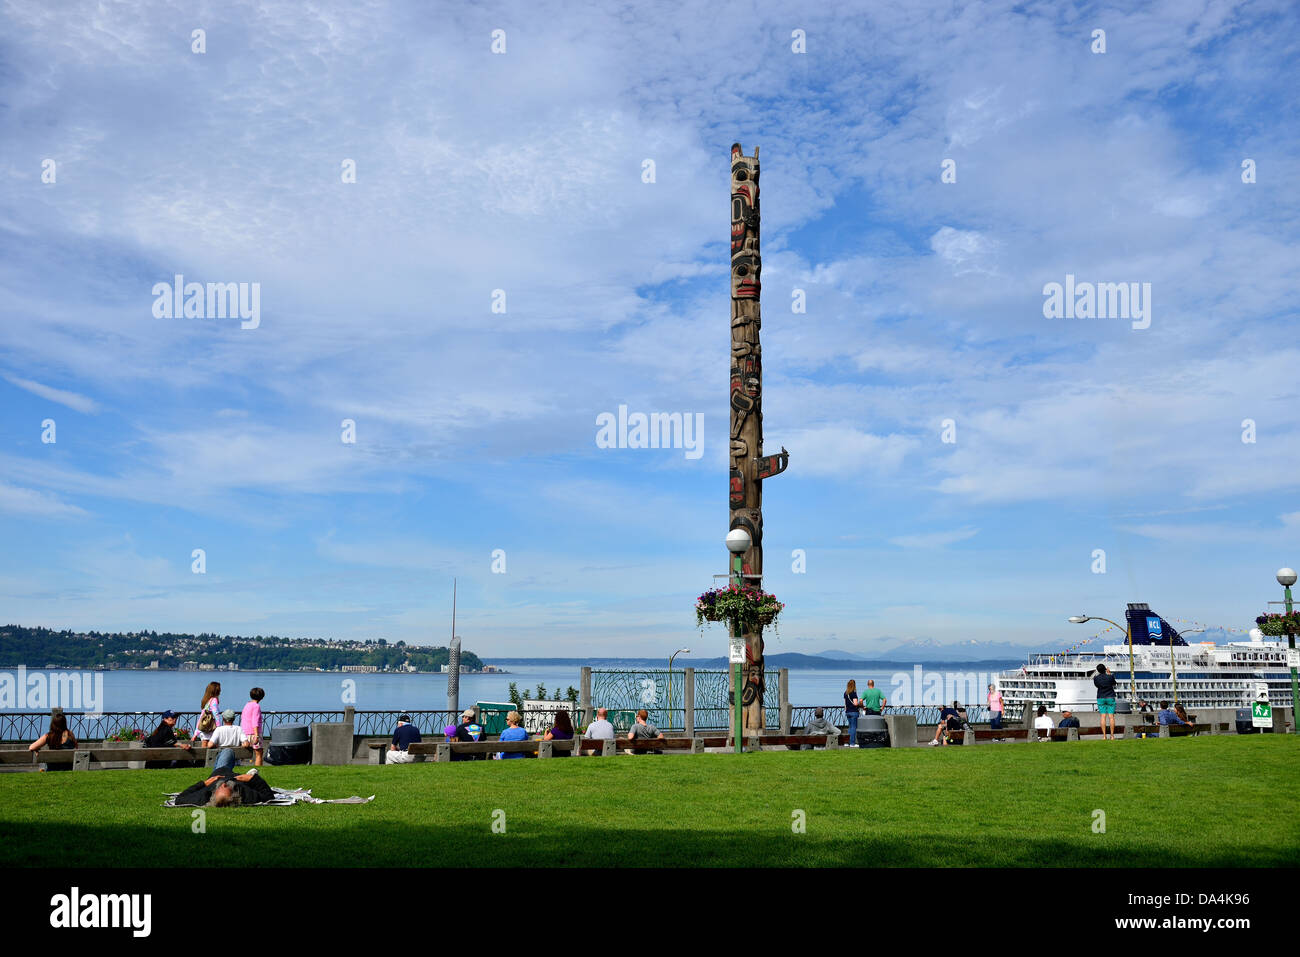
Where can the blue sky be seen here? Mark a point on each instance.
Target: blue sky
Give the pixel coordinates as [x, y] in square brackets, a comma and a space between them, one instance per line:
[522, 171]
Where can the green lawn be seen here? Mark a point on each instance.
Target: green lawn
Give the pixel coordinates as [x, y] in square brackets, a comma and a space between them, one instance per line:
[1208, 801]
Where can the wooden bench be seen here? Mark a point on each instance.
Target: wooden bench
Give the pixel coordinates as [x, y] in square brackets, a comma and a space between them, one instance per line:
[83, 756]
[440, 751]
[1164, 730]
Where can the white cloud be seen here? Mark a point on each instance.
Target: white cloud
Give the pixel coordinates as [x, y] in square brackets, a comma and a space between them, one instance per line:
[31, 503]
[934, 539]
[72, 400]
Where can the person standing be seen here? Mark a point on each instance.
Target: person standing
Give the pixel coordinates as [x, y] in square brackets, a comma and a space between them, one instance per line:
[851, 705]
[1104, 682]
[995, 708]
[209, 713]
[873, 699]
[250, 723]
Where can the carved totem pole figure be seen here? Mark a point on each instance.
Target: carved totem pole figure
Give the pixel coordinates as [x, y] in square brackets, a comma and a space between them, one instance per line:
[748, 465]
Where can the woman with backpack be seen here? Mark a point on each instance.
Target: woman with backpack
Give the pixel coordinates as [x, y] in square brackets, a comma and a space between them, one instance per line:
[209, 713]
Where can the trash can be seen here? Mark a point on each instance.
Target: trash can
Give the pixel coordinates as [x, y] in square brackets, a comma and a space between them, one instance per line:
[1246, 722]
[873, 732]
[291, 744]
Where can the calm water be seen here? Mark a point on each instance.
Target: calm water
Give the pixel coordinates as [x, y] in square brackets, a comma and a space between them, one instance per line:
[302, 691]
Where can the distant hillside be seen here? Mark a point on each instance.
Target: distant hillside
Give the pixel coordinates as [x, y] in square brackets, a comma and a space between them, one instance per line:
[782, 660]
[45, 648]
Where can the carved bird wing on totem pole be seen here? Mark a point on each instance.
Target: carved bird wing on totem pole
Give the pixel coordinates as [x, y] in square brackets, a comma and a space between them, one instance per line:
[773, 464]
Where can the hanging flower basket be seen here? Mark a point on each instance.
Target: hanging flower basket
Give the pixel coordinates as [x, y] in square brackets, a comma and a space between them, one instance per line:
[747, 606]
[1277, 626]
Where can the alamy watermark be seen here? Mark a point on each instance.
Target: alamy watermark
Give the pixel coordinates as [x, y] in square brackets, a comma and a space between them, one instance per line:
[658, 430]
[39, 691]
[214, 300]
[1101, 300]
[921, 687]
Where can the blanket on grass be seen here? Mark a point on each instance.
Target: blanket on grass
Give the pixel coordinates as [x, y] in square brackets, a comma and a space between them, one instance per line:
[283, 798]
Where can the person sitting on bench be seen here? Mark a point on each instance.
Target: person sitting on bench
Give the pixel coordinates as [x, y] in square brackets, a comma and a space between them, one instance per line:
[1169, 717]
[227, 789]
[644, 730]
[227, 737]
[164, 736]
[819, 725]
[600, 729]
[1043, 724]
[949, 719]
[1068, 720]
[58, 738]
[406, 735]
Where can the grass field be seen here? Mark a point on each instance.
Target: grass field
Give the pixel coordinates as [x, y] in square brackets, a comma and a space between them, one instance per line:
[1207, 801]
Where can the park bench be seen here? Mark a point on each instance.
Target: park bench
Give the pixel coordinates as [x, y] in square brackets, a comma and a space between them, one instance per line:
[84, 755]
[439, 751]
[1164, 730]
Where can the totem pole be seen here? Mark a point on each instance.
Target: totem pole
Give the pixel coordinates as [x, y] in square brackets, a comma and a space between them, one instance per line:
[748, 465]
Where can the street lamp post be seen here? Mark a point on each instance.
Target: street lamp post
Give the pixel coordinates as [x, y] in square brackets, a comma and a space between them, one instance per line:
[738, 542]
[1132, 679]
[1173, 670]
[679, 651]
[1286, 578]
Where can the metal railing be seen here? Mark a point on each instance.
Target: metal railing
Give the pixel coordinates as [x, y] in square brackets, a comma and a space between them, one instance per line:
[27, 726]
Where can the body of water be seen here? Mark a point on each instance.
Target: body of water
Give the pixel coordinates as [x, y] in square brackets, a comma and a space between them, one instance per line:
[321, 691]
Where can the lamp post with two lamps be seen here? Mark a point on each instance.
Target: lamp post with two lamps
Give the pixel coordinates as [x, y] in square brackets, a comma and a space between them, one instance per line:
[738, 542]
[1286, 578]
[1128, 635]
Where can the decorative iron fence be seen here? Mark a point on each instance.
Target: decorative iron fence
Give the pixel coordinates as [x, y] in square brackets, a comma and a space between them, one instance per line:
[663, 694]
[27, 726]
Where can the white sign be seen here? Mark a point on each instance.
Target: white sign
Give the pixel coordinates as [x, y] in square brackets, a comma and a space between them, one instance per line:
[539, 716]
[737, 651]
[1261, 690]
[1261, 715]
[1293, 657]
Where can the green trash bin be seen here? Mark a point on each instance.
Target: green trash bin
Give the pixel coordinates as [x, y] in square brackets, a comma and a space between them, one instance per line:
[492, 715]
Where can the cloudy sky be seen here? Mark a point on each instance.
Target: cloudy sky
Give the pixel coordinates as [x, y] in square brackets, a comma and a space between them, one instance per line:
[525, 171]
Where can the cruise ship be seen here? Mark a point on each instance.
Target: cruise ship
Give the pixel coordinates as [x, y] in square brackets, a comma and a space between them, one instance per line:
[1209, 675]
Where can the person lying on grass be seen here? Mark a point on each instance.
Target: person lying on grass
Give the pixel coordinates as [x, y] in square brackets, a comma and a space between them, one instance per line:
[227, 789]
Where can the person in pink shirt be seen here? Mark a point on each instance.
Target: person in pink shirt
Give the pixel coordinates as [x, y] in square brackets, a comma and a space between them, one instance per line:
[250, 723]
[995, 708]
